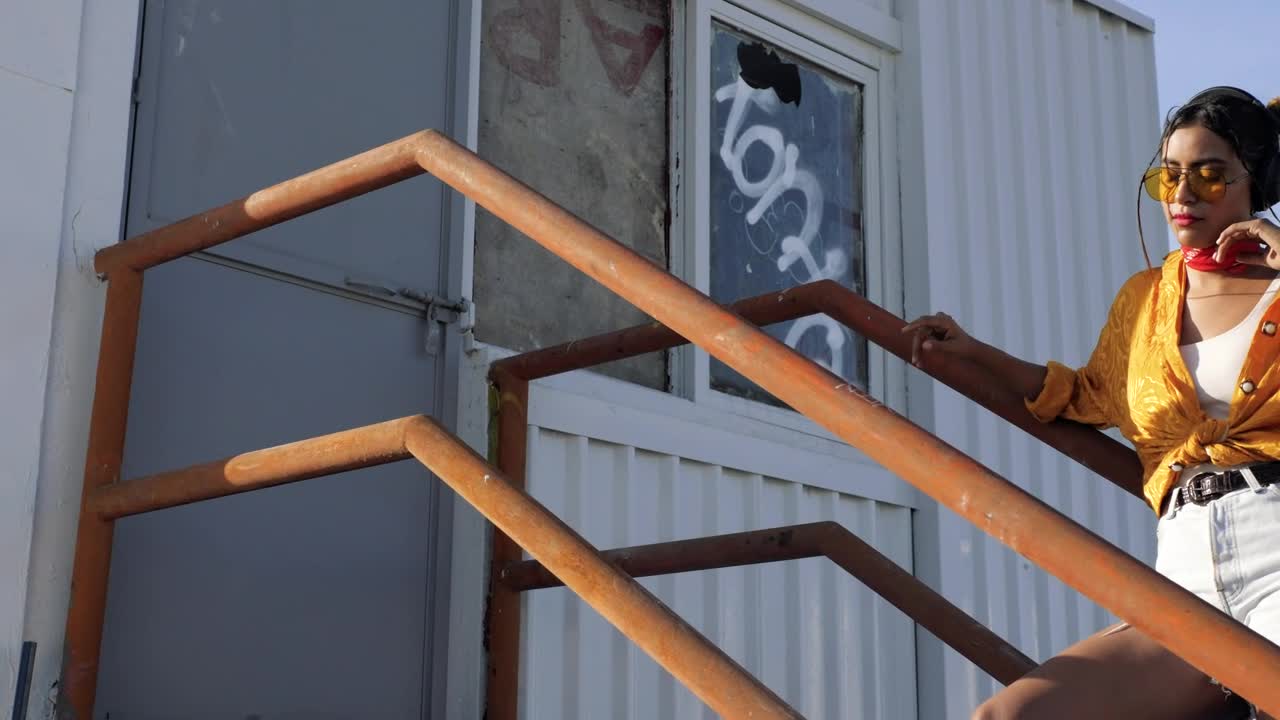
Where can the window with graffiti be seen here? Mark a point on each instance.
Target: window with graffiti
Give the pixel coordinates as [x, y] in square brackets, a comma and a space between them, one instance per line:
[786, 195]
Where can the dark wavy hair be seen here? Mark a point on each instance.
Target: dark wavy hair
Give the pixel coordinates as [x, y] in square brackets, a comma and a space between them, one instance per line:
[1251, 128]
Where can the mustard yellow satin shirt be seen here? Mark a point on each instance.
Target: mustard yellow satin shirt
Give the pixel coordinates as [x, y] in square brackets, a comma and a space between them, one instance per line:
[1136, 381]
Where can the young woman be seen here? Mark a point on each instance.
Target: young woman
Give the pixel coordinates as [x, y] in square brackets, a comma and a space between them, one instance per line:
[1188, 367]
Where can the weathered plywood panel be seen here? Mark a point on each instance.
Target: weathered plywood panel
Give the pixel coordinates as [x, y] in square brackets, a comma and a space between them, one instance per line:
[573, 101]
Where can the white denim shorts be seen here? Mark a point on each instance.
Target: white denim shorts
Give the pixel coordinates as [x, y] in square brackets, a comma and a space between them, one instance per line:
[1228, 553]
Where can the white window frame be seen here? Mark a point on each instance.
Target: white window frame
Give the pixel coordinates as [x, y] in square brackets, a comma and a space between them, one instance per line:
[839, 48]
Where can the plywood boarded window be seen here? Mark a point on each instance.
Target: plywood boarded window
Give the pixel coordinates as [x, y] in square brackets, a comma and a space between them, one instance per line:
[573, 102]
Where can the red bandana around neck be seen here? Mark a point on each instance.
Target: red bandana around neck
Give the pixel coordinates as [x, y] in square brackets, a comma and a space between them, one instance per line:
[1202, 259]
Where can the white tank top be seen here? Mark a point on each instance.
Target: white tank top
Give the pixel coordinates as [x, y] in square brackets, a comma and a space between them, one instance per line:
[1215, 366]
[1215, 363]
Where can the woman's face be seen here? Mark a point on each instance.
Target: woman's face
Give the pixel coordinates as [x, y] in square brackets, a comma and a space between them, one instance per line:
[1197, 222]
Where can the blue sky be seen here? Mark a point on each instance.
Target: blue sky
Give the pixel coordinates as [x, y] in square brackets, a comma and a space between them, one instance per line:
[1200, 43]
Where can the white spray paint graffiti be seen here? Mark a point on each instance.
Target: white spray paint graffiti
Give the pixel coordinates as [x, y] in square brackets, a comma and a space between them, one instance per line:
[784, 174]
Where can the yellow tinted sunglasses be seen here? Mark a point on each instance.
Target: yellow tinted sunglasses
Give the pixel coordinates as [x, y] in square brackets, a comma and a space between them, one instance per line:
[1208, 183]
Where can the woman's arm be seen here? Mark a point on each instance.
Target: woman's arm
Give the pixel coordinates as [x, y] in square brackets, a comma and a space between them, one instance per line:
[1025, 378]
[938, 338]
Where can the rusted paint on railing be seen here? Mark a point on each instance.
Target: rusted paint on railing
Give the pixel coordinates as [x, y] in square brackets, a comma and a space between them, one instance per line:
[343, 180]
[122, 264]
[1155, 605]
[698, 664]
[828, 539]
[651, 337]
[502, 606]
[715, 552]
[316, 457]
[1096, 451]
[707, 671]
[92, 564]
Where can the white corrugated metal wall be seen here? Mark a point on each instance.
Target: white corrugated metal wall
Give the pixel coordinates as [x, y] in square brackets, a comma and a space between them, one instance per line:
[811, 633]
[1037, 120]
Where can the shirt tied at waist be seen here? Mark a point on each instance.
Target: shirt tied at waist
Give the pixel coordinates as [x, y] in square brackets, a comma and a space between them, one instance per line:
[1210, 431]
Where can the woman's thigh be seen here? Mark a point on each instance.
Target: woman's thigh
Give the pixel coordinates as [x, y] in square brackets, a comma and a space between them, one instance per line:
[1118, 673]
[1252, 577]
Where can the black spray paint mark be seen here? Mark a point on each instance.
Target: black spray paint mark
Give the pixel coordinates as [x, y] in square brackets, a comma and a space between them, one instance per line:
[762, 68]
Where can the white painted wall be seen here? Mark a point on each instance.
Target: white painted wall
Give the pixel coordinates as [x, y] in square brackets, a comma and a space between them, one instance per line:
[36, 125]
[39, 43]
[1025, 128]
[97, 42]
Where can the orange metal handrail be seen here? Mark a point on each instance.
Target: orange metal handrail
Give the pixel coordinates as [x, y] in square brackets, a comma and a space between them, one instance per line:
[1165, 612]
[87, 603]
[701, 666]
[827, 539]
[123, 265]
[511, 377]
[1207, 639]
[1097, 451]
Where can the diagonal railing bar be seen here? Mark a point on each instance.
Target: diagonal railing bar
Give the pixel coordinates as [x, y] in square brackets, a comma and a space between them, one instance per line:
[697, 663]
[883, 576]
[1097, 451]
[1165, 612]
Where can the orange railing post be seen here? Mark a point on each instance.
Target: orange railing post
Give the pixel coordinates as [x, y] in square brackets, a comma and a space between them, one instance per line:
[88, 602]
[502, 609]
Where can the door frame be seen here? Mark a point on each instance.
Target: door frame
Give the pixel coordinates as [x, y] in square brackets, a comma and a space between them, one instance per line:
[442, 677]
[457, 664]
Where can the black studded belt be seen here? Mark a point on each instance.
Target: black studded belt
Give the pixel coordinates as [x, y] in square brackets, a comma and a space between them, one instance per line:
[1206, 487]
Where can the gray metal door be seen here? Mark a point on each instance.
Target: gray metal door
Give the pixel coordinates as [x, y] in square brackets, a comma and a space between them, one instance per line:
[312, 600]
